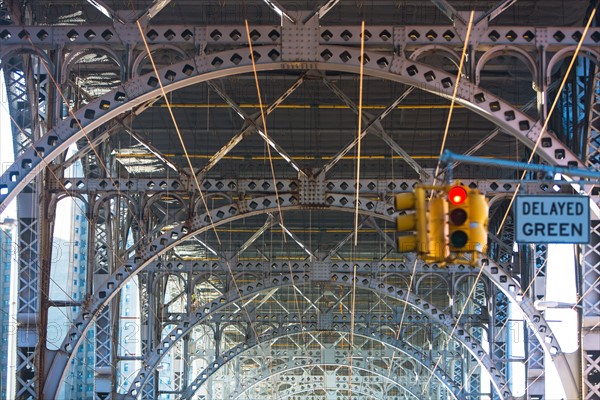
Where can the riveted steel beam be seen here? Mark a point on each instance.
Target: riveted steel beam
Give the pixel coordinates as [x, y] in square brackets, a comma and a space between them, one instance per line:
[206, 67]
[431, 312]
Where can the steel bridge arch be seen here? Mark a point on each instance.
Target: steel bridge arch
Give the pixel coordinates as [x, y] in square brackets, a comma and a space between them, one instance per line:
[228, 213]
[587, 52]
[184, 74]
[447, 323]
[513, 51]
[366, 332]
[377, 371]
[352, 388]
[226, 63]
[356, 365]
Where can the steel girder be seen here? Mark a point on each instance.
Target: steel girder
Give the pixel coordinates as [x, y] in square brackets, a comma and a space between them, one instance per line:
[240, 210]
[183, 185]
[24, 88]
[295, 326]
[590, 334]
[327, 358]
[206, 67]
[189, 321]
[25, 166]
[408, 37]
[313, 387]
[305, 278]
[374, 386]
[254, 348]
[494, 271]
[306, 387]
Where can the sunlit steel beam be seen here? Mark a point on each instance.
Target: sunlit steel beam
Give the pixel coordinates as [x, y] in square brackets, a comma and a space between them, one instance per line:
[448, 10]
[390, 241]
[496, 10]
[206, 246]
[275, 6]
[487, 138]
[298, 241]
[342, 242]
[153, 150]
[101, 6]
[154, 8]
[267, 225]
[375, 125]
[322, 10]
[251, 125]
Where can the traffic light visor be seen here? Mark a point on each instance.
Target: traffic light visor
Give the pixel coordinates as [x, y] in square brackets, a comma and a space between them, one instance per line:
[457, 195]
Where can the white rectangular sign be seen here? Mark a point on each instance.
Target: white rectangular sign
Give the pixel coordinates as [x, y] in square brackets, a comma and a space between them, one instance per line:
[552, 219]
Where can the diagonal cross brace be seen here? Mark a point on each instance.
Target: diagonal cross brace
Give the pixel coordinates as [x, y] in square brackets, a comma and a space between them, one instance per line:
[375, 125]
[250, 126]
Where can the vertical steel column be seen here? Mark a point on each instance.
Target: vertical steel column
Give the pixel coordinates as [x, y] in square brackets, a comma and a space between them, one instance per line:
[535, 256]
[22, 88]
[590, 274]
[150, 325]
[590, 329]
[105, 253]
[592, 152]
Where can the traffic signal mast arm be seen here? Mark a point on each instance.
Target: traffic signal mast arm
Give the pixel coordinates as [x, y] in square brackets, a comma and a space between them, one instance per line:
[413, 224]
[450, 157]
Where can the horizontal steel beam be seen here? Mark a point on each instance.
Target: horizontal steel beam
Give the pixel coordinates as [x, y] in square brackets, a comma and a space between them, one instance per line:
[183, 184]
[49, 37]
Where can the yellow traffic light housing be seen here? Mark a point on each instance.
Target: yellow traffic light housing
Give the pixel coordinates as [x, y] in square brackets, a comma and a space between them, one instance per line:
[458, 214]
[413, 226]
[437, 250]
[451, 227]
[467, 223]
[478, 222]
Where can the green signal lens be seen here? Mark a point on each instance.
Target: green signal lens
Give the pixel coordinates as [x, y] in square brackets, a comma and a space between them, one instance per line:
[458, 239]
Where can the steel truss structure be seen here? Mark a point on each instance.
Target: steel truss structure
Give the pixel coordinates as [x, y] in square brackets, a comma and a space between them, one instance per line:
[252, 280]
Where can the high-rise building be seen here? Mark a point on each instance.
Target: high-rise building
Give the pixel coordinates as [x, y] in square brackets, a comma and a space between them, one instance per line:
[68, 283]
[7, 325]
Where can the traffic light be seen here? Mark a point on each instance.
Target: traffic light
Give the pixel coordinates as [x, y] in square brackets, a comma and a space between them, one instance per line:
[478, 221]
[437, 250]
[412, 226]
[467, 223]
[458, 214]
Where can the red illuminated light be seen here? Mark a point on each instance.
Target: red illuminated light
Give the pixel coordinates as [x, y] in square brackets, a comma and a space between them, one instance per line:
[457, 195]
